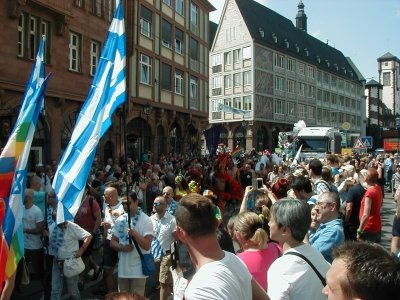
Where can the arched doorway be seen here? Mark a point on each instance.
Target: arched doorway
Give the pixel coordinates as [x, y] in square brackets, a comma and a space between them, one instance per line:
[240, 138]
[175, 138]
[108, 150]
[223, 136]
[262, 140]
[39, 147]
[138, 138]
[161, 141]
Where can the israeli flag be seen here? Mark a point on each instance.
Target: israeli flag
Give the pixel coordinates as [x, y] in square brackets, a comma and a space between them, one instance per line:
[106, 94]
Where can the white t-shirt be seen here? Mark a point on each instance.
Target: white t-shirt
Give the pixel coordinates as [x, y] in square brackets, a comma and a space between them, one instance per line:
[227, 279]
[111, 214]
[291, 277]
[130, 265]
[32, 216]
[163, 229]
[72, 234]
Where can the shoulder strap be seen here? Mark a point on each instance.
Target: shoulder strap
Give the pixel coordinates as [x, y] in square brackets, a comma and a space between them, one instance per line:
[323, 281]
[137, 248]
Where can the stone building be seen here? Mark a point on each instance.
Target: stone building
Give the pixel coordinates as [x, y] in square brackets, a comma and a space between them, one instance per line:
[276, 74]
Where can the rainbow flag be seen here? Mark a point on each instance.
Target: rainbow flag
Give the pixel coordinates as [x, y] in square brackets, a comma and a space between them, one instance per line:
[13, 163]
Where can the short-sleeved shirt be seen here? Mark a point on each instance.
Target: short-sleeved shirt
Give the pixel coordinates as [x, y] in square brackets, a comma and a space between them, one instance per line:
[73, 233]
[31, 217]
[85, 217]
[163, 229]
[354, 195]
[374, 223]
[111, 214]
[130, 265]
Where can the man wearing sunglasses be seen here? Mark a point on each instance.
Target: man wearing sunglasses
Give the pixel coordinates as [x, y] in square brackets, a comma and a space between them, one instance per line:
[168, 193]
[164, 229]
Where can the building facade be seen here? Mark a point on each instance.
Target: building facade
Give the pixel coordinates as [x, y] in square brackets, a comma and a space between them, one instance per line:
[277, 74]
[167, 72]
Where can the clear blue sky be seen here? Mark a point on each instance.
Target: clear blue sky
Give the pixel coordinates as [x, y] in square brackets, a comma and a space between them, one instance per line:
[361, 29]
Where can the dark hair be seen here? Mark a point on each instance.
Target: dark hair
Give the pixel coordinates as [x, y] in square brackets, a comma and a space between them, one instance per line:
[316, 166]
[302, 183]
[195, 215]
[372, 272]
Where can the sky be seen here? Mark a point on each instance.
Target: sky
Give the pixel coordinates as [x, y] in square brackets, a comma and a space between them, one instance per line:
[363, 30]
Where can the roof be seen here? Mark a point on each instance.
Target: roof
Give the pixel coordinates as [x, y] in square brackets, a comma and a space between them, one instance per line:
[372, 82]
[388, 57]
[213, 31]
[264, 24]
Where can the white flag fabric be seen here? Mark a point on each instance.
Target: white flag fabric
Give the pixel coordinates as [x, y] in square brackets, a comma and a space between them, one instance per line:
[107, 92]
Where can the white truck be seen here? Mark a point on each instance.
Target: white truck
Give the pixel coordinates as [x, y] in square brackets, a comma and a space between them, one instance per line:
[317, 141]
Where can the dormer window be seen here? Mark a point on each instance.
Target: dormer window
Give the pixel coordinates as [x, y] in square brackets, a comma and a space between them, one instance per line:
[261, 31]
[297, 48]
[306, 51]
[274, 37]
[286, 43]
[318, 59]
[336, 67]
[327, 63]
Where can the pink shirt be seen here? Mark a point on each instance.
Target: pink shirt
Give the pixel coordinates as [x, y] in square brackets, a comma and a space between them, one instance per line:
[259, 261]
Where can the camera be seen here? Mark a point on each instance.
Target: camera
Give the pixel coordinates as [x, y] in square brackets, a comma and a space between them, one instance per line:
[257, 183]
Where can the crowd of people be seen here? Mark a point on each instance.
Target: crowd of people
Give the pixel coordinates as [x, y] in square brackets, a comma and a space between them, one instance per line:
[256, 226]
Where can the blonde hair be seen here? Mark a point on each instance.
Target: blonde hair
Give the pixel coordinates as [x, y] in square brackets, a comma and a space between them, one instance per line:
[250, 226]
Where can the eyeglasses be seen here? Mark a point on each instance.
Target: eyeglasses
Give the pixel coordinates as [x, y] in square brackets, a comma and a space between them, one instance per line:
[166, 194]
[323, 204]
[157, 203]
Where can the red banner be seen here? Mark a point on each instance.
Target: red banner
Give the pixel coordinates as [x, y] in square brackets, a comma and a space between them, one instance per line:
[390, 145]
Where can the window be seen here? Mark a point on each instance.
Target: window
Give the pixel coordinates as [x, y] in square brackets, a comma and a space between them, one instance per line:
[94, 56]
[279, 108]
[279, 83]
[111, 10]
[194, 14]
[193, 88]
[302, 110]
[311, 112]
[179, 82]
[246, 77]
[237, 57]
[228, 58]
[279, 60]
[30, 30]
[178, 40]
[75, 50]
[246, 53]
[166, 79]
[228, 81]
[291, 109]
[32, 38]
[97, 7]
[145, 21]
[302, 89]
[291, 86]
[168, 2]
[215, 106]
[21, 35]
[228, 102]
[301, 69]
[78, 3]
[194, 49]
[166, 33]
[247, 103]
[145, 69]
[311, 91]
[310, 72]
[237, 79]
[290, 64]
[216, 82]
[179, 7]
[237, 103]
[386, 78]
[216, 59]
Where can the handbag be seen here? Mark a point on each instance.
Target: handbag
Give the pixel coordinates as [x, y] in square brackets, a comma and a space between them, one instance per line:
[73, 266]
[148, 264]
[25, 280]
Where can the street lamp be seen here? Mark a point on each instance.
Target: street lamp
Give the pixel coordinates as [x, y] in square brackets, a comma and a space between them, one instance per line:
[398, 132]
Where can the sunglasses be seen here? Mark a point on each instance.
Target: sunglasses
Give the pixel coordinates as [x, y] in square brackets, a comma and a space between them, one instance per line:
[157, 203]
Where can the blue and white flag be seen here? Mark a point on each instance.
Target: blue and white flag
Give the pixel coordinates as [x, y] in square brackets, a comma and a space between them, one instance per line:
[156, 248]
[106, 94]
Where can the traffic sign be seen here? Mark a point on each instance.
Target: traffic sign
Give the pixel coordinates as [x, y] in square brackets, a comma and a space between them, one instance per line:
[346, 125]
[367, 141]
[359, 144]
